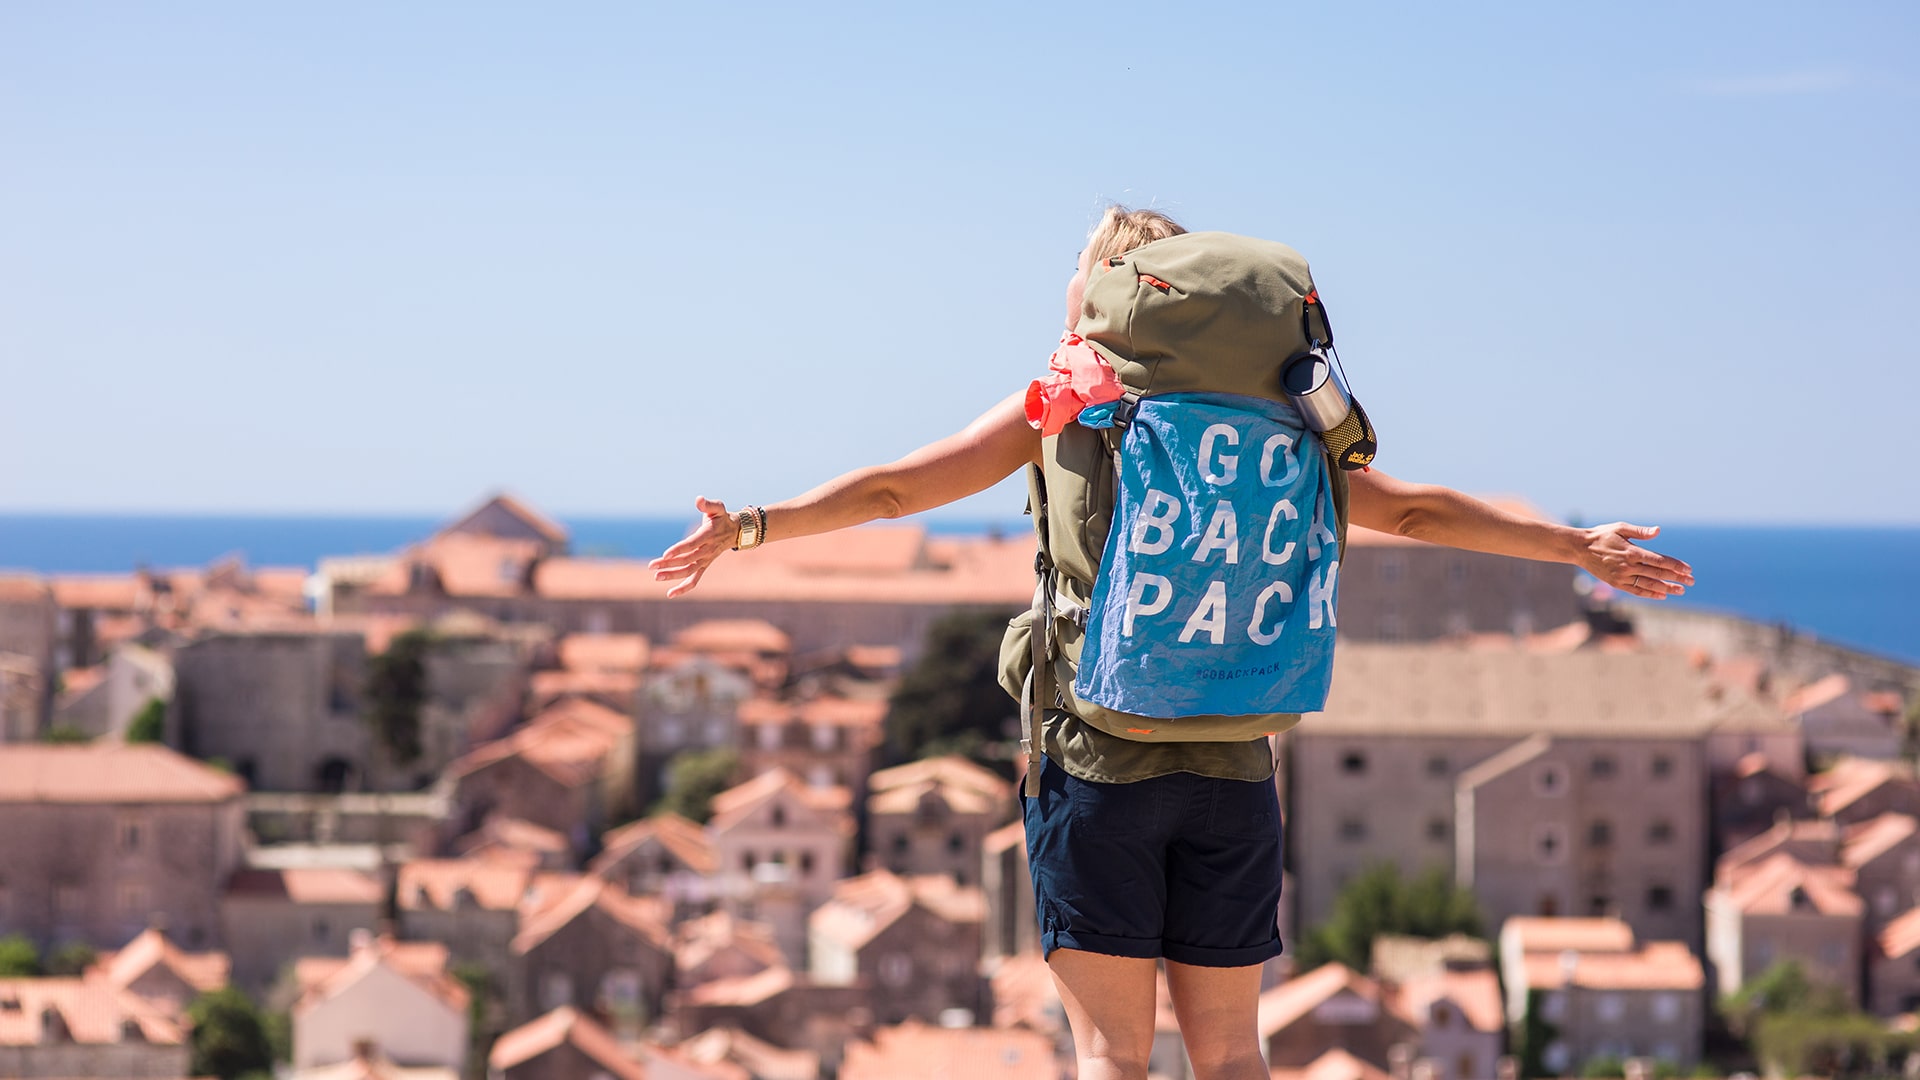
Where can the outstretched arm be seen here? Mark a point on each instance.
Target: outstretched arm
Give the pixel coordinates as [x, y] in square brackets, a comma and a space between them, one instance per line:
[972, 460]
[1444, 516]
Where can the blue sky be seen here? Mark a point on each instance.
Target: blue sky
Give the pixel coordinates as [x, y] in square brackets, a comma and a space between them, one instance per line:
[1644, 261]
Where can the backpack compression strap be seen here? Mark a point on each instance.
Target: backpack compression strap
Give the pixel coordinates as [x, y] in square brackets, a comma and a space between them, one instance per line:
[1040, 689]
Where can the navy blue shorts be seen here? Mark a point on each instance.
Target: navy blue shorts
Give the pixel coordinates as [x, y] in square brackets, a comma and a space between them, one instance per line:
[1181, 866]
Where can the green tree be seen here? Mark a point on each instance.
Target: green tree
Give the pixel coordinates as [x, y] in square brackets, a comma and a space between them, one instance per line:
[1379, 902]
[65, 735]
[951, 701]
[150, 723]
[71, 958]
[396, 692]
[1603, 1067]
[1532, 1034]
[229, 1036]
[483, 998]
[18, 958]
[694, 777]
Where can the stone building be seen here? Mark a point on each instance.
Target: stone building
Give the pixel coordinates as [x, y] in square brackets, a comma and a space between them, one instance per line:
[396, 996]
[28, 618]
[102, 839]
[271, 918]
[590, 944]
[87, 1027]
[1549, 783]
[933, 817]
[1784, 909]
[914, 941]
[570, 769]
[1605, 994]
[826, 741]
[562, 1045]
[1393, 589]
[285, 706]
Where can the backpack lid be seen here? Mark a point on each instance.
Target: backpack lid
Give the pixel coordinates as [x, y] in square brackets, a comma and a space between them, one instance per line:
[1208, 311]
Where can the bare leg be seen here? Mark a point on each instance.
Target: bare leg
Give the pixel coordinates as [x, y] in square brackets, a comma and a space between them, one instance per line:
[1109, 1002]
[1219, 1014]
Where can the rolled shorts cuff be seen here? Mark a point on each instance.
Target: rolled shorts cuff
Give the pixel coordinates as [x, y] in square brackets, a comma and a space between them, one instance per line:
[1104, 944]
[1200, 956]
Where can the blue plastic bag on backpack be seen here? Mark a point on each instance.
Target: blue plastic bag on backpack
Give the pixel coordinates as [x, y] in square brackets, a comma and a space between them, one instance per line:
[1216, 592]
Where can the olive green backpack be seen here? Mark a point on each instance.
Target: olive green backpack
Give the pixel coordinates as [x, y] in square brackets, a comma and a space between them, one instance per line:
[1192, 315]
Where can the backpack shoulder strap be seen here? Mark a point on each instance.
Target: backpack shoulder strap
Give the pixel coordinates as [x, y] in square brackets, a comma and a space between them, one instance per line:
[1040, 687]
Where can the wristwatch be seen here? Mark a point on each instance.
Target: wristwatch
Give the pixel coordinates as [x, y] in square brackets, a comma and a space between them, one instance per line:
[748, 523]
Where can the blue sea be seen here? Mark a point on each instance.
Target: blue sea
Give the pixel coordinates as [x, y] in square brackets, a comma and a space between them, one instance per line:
[1854, 586]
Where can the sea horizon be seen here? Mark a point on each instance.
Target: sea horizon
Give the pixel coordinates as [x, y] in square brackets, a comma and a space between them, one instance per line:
[1854, 585]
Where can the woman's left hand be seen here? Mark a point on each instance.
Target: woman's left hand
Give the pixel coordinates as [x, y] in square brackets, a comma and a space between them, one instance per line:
[1611, 554]
[687, 560]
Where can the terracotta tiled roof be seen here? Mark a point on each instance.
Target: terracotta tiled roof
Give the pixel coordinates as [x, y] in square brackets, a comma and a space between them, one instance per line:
[466, 565]
[854, 565]
[109, 773]
[545, 526]
[1901, 937]
[761, 1060]
[1335, 1064]
[1659, 965]
[1820, 692]
[1558, 935]
[1783, 885]
[565, 1026]
[736, 803]
[1284, 1005]
[1808, 841]
[1851, 779]
[1475, 993]
[950, 770]
[1869, 840]
[744, 990]
[513, 834]
[423, 963]
[93, 1010]
[733, 635]
[685, 840]
[934, 1053]
[604, 652]
[1425, 688]
[307, 885]
[824, 711]
[698, 941]
[23, 589]
[150, 949]
[549, 687]
[862, 908]
[569, 741]
[105, 592]
[496, 882]
[645, 916]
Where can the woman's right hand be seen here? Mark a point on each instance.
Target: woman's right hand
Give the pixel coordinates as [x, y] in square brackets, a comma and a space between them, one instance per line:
[685, 561]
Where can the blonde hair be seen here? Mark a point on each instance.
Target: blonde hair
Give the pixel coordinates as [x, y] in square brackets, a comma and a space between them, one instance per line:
[1121, 230]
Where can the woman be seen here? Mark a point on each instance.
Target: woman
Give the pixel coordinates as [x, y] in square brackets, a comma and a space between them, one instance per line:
[1208, 913]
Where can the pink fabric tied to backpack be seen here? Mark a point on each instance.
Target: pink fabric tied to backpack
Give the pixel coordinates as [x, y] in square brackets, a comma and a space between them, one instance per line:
[1077, 376]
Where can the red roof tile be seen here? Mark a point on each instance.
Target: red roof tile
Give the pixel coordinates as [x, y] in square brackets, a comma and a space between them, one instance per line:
[423, 963]
[604, 652]
[151, 949]
[565, 1026]
[1335, 1064]
[682, 838]
[93, 1010]
[109, 773]
[497, 882]
[935, 1053]
[307, 885]
[1660, 965]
